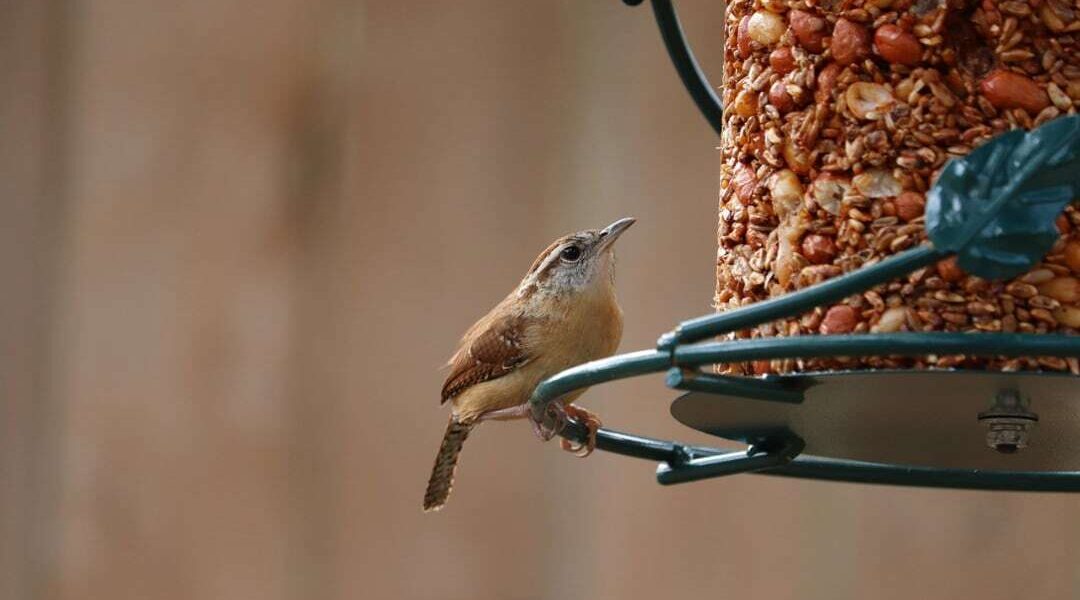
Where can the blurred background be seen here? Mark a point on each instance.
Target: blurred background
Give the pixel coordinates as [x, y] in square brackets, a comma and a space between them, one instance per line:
[239, 238]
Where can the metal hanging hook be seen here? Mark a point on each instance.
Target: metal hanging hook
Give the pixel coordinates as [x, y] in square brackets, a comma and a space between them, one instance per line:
[679, 50]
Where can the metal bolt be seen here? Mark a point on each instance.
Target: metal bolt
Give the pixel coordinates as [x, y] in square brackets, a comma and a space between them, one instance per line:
[1008, 422]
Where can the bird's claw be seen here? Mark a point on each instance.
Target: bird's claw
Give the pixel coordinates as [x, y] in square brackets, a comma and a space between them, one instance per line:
[592, 424]
[559, 414]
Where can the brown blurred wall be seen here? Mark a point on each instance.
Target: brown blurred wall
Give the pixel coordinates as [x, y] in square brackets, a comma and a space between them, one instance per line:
[237, 241]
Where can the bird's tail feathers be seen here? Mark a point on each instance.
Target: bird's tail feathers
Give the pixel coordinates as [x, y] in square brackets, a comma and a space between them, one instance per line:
[442, 475]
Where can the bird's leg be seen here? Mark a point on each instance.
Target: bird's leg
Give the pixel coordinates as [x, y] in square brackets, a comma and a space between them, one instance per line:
[506, 414]
[591, 422]
[524, 411]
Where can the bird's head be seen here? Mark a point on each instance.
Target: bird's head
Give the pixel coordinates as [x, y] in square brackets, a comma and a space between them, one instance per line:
[576, 262]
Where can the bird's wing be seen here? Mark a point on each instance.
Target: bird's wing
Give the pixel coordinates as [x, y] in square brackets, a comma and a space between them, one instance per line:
[496, 351]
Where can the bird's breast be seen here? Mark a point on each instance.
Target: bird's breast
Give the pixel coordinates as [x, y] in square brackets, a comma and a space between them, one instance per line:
[587, 328]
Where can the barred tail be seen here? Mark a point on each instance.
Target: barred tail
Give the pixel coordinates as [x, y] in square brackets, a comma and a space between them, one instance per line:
[442, 476]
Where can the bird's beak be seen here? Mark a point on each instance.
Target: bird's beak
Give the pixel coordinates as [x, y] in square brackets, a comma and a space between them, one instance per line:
[609, 234]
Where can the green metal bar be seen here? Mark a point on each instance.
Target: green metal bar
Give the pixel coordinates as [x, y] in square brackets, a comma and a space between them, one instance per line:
[827, 292]
[880, 344]
[622, 366]
[814, 467]
[707, 467]
[682, 463]
[636, 446]
[691, 380]
[692, 77]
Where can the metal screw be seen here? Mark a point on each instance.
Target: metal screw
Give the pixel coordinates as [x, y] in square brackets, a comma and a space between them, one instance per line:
[1008, 422]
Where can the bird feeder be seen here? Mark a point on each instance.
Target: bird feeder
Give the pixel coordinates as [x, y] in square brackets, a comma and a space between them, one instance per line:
[932, 347]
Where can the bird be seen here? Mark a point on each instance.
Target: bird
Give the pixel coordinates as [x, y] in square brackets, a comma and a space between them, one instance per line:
[563, 313]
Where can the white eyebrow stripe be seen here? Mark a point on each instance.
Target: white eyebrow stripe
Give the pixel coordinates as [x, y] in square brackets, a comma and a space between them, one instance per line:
[531, 278]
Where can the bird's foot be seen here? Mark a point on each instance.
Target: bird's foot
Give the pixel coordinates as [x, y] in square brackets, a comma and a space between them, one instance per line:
[558, 417]
[559, 414]
[591, 422]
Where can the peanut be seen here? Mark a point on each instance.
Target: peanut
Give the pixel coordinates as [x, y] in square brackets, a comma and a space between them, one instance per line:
[782, 61]
[949, 270]
[868, 100]
[826, 81]
[897, 46]
[765, 27]
[850, 42]
[910, 205]
[839, 319]
[809, 30]
[780, 98]
[1006, 89]
[818, 249]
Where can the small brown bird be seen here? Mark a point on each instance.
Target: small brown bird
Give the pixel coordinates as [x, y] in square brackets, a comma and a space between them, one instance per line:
[563, 313]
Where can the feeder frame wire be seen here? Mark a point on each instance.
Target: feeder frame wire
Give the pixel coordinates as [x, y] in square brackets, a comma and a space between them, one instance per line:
[686, 65]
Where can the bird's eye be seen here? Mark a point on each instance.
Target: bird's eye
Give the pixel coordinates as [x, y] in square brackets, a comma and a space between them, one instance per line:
[570, 254]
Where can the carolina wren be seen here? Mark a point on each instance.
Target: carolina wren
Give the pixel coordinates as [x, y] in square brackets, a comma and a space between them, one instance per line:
[563, 313]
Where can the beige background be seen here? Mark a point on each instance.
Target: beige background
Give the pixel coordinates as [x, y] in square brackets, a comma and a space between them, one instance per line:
[238, 239]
